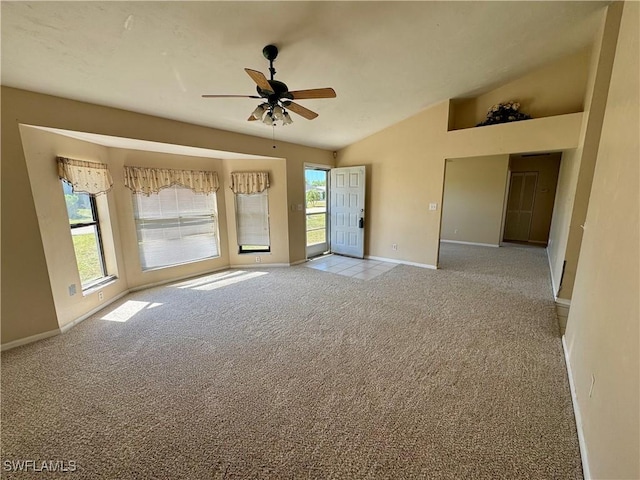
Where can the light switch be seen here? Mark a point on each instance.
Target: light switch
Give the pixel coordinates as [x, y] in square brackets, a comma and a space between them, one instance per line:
[299, 207]
[433, 206]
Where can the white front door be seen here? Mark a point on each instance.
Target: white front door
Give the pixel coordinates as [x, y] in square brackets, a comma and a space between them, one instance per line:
[347, 211]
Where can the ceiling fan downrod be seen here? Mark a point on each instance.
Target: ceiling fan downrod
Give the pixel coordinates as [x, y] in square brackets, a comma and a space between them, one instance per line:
[270, 52]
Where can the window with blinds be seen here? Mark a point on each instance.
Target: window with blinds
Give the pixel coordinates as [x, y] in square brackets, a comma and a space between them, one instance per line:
[252, 221]
[175, 226]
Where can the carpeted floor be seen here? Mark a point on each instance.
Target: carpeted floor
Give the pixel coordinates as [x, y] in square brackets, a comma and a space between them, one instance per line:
[295, 373]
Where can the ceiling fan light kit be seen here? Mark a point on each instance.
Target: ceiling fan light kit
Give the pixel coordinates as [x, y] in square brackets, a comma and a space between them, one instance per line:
[276, 95]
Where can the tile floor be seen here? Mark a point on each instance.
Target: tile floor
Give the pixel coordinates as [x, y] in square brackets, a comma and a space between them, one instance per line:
[350, 267]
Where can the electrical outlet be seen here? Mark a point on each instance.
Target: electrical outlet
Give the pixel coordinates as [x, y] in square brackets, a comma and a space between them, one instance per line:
[101, 295]
[433, 206]
[394, 246]
[258, 260]
[455, 232]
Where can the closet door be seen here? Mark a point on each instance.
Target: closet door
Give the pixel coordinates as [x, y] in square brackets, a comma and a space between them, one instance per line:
[522, 192]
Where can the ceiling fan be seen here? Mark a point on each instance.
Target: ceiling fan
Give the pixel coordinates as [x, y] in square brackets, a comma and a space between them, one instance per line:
[276, 95]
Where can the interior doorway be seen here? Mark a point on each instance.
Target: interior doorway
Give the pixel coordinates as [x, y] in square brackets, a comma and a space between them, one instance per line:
[316, 181]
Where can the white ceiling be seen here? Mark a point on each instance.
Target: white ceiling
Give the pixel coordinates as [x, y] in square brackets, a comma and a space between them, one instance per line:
[386, 60]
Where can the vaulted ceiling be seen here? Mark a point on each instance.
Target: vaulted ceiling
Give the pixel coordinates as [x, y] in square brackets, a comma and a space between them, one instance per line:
[386, 60]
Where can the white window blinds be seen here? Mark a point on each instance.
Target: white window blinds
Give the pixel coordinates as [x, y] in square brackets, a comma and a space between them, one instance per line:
[175, 226]
[252, 218]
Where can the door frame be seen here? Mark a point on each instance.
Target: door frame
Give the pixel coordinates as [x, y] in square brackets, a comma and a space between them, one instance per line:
[327, 170]
[507, 189]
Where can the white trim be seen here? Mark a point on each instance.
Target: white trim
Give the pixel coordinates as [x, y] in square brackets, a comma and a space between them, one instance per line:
[576, 412]
[293, 264]
[67, 326]
[318, 166]
[403, 262]
[471, 243]
[563, 302]
[31, 339]
[260, 265]
[554, 288]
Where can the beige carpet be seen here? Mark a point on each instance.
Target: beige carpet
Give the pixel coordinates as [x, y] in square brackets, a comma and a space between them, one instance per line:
[295, 373]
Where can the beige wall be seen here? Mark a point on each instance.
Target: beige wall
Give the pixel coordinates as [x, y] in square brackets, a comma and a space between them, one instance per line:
[562, 210]
[603, 330]
[576, 177]
[547, 167]
[28, 306]
[555, 89]
[40, 150]
[473, 202]
[405, 165]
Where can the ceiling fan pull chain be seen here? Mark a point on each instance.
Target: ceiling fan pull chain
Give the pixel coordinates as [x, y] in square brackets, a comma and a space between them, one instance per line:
[273, 134]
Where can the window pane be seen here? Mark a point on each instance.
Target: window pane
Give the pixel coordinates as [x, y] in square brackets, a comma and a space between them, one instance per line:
[85, 243]
[175, 226]
[316, 228]
[78, 205]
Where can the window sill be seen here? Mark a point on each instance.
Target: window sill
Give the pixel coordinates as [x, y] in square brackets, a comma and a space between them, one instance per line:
[164, 267]
[93, 287]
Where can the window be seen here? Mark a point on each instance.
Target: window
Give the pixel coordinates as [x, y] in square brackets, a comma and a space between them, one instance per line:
[252, 220]
[175, 226]
[85, 233]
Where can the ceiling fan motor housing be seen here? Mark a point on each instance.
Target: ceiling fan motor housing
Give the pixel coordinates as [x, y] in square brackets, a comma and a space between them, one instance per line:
[280, 91]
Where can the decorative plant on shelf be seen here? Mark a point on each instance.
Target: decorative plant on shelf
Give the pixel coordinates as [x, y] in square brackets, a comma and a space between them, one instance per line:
[503, 113]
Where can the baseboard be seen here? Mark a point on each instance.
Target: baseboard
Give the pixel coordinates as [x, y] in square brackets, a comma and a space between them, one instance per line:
[30, 339]
[576, 412]
[299, 262]
[554, 288]
[403, 262]
[260, 265]
[68, 326]
[471, 243]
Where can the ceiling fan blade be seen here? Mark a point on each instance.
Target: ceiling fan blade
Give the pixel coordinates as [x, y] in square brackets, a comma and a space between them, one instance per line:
[302, 111]
[314, 93]
[260, 79]
[230, 96]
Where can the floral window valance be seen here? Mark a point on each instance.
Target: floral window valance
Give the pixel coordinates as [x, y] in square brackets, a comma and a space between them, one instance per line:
[152, 180]
[249, 182]
[85, 177]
